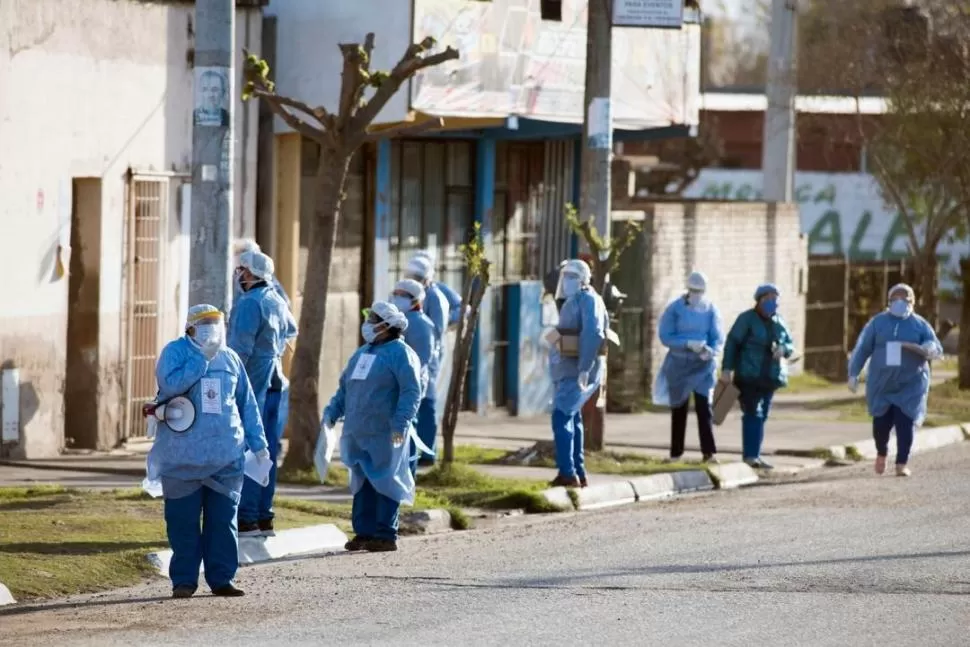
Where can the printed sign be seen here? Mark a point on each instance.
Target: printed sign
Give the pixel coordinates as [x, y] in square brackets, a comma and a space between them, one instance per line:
[664, 14]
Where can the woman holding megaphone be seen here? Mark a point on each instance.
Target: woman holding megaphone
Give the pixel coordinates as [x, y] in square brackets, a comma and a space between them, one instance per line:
[207, 417]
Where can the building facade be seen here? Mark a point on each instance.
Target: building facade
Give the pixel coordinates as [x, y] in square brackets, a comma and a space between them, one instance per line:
[95, 158]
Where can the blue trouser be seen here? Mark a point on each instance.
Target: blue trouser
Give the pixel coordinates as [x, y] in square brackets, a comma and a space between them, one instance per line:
[755, 405]
[882, 427]
[256, 503]
[374, 515]
[427, 426]
[215, 545]
[567, 432]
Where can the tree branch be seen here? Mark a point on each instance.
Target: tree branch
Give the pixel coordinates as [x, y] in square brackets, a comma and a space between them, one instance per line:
[410, 64]
[279, 105]
[404, 130]
[319, 113]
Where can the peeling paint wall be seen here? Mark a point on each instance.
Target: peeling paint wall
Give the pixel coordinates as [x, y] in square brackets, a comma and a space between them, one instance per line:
[90, 89]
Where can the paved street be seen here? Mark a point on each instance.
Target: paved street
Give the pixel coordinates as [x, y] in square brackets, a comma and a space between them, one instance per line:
[835, 557]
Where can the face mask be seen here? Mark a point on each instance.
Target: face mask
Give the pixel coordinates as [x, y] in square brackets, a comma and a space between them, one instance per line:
[570, 286]
[370, 331]
[900, 308]
[402, 303]
[695, 298]
[769, 306]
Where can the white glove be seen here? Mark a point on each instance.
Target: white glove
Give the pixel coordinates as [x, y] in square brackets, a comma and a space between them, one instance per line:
[779, 353]
[262, 455]
[696, 345]
[707, 353]
[932, 351]
[726, 376]
[853, 384]
[583, 380]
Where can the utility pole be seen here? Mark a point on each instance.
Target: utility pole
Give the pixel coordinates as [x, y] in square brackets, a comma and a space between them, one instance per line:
[212, 153]
[595, 195]
[778, 150]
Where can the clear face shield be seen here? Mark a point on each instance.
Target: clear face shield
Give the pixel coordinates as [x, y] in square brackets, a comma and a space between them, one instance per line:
[569, 284]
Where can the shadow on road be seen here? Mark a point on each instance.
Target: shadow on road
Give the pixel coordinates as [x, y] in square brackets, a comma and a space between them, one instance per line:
[34, 608]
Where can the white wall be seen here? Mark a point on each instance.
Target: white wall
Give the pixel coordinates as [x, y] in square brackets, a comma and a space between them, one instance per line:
[308, 61]
[90, 88]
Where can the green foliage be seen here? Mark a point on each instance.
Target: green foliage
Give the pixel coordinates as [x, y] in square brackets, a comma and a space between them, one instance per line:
[474, 253]
[255, 76]
[588, 232]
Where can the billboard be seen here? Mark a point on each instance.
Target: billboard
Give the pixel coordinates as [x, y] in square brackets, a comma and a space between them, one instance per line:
[514, 63]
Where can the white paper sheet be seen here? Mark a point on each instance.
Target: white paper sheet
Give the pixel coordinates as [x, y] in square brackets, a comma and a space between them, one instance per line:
[894, 353]
[256, 470]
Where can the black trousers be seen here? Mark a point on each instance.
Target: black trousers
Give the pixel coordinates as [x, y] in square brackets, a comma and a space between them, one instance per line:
[705, 426]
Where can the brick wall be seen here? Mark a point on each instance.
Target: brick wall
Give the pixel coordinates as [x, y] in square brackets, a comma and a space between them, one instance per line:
[737, 245]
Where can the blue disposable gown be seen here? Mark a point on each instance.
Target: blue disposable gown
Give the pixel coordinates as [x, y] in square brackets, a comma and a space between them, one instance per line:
[237, 291]
[586, 312]
[683, 371]
[375, 404]
[259, 328]
[452, 299]
[227, 420]
[420, 336]
[436, 308]
[908, 385]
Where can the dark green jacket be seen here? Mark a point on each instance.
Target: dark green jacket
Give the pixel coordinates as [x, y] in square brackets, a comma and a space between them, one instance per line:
[748, 350]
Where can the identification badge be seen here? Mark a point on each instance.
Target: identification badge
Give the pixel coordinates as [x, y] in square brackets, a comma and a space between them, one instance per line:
[211, 395]
[364, 364]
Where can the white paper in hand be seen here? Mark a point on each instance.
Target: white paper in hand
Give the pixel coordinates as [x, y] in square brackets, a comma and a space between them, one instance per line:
[323, 454]
[257, 470]
[152, 488]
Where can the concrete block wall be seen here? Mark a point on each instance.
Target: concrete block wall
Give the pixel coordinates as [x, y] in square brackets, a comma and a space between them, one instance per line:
[737, 245]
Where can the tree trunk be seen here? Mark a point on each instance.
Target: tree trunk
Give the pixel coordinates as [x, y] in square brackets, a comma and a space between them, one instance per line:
[463, 348]
[305, 408]
[963, 350]
[926, 285]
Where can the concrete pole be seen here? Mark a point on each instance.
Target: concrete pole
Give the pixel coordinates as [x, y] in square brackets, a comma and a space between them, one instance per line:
[598, 121]
[778, 152]
[212, 153]
[596, 191]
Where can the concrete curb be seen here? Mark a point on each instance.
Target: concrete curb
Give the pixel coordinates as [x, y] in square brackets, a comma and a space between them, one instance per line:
[253, 550]
[5, 596]
[425, 522]
[138, 472]
[926, 439]
[644, 488]
[731, 476]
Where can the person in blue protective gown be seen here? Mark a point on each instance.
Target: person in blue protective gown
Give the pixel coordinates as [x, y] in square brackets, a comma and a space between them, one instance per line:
[259, 329]
[240, 247]
[438, 310]
[201, 469]
[898, 345]
[754, 351]
[451, 297]
[378, 398]
[408, 296]
[691, 328]
[577, 366]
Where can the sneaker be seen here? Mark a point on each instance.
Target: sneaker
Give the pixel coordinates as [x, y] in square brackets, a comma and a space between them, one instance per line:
[426, 461]
[583, 482]
[902, 470]
[565, 481]
[183, 592]
[357, 543]
[880, 465]
[249, 529]
[711, 460]
[266, 528]
[673, 459]
[758, 464]
[228, 591]
[380, 546]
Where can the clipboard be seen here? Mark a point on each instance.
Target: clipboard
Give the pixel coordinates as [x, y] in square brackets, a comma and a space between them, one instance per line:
[725, 397]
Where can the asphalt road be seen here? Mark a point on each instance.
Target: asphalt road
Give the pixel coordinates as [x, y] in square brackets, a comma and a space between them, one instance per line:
[838, 557]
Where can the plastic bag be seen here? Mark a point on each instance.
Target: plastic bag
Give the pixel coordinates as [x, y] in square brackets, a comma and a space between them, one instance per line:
[257, 470]
[152, 488]
[323, 454]
[661, 392]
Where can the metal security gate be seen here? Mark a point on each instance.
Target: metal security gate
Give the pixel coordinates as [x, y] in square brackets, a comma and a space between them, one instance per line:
[147, 219]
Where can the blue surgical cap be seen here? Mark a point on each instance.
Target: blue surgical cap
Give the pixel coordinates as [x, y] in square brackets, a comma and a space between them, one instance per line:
[766, 288]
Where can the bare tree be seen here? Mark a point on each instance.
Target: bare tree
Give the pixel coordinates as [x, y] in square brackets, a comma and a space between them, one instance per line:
[363, 94]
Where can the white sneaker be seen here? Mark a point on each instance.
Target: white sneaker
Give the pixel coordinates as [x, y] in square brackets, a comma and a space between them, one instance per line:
[902, 470]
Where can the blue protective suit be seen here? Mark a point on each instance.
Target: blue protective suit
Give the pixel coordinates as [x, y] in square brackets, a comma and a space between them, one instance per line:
[375, 404]
[237, 291]
[585, 313]
[259, 328]
[452, 299]
[201, 469]
[421, 337]
[906, 386]
[437, 308]
[684, 371]
[757, 374]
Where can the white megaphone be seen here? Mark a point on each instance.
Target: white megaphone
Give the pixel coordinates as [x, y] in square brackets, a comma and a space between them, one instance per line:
[178, 414]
